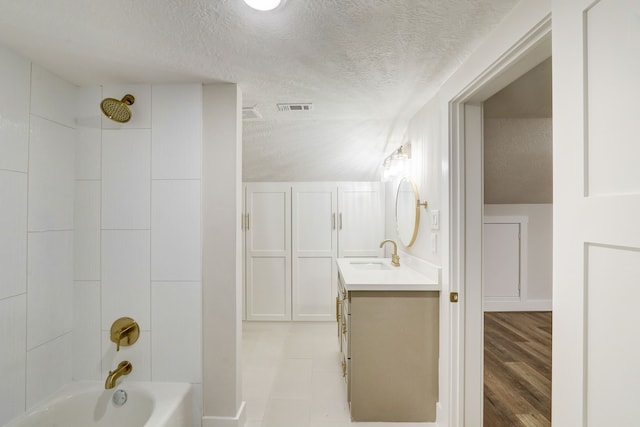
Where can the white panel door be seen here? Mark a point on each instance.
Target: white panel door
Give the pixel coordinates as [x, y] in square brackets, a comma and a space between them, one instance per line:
[360, 219]
[501, 261]
[314, 223]
[596, 254]
[267, 224]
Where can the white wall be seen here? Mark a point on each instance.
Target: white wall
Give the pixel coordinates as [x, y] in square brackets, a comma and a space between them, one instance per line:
[36, 233]
[426, 169]
[138, 233]
[518, 160]
[539, 250]
[222, 256]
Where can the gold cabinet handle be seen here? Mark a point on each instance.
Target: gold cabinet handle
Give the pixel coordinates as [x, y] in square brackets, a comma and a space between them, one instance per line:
[337, 309]
[344, 368]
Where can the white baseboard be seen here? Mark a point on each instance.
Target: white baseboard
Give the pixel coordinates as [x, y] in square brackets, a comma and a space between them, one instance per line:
[237, 421]
[529, 305]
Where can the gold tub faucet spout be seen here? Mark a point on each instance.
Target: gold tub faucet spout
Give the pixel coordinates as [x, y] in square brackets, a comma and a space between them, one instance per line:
[124, 368]
[395, 259]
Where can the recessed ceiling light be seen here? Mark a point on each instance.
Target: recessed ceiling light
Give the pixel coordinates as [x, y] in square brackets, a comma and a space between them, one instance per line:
[264, 5]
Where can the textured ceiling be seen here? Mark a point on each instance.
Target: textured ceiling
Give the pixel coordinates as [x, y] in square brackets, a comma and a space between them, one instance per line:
[366, 65]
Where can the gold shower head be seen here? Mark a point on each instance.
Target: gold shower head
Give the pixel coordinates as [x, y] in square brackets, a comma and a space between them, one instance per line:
[118, 111]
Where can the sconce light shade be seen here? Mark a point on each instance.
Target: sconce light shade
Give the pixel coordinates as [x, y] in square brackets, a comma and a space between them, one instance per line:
[264, 5]
[397, 163]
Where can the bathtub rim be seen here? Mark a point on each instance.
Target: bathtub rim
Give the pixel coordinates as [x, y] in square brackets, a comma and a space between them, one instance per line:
[166, 395]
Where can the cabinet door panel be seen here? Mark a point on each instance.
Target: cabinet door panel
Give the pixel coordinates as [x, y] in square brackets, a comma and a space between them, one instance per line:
[314, 295]
[268, 251]
[314, 217]
[314, 250]
[360, 219]
[269, 298]
[268, 221]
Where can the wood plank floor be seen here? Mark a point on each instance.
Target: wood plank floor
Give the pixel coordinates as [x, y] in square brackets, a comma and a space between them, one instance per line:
[517, 369]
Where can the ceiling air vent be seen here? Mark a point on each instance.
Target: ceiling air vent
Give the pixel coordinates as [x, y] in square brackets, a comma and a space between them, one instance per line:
[250, 113]
[295, 107]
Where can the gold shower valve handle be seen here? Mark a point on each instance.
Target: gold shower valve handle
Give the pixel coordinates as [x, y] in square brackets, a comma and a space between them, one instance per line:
[124, 332]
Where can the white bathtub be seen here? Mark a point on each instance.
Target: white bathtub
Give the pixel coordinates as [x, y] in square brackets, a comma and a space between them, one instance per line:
[86, 404]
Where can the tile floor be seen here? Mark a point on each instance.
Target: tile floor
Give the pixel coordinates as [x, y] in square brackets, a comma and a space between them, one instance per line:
[292, 376]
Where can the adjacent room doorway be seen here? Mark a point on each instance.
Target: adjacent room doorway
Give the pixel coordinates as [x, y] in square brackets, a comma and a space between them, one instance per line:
[467, 194]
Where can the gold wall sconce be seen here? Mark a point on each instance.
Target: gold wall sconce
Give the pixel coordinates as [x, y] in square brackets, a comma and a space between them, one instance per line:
[397, 164]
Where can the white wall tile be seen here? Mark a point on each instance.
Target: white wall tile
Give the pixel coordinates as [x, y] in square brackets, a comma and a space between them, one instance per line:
[126, 279]
[126, 179]
[88, 133]
[14, 110]
[169, 300]
[48, 369]
[13, 233]
[139, 354]
[87, 335]
[177, 131]
[87, 107]
[50, 286]
[175, 231]
[52, 98]
[13, 320]
[87, 230]
[51, 176]
[88, 156]
[140, 109]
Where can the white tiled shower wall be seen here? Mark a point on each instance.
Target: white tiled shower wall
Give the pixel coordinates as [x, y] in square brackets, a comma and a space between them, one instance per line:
[97, 220]
[37, 153]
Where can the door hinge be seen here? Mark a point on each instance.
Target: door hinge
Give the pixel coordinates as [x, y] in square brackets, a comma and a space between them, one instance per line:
[453, 297]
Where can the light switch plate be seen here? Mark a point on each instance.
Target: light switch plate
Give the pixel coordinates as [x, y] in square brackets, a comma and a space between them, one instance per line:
[435, 219]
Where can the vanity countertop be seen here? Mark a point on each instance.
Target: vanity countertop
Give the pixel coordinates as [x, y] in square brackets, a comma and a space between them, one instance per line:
[378, 274]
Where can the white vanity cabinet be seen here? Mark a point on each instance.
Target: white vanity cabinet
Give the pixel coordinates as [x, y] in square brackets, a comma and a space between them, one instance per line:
[294, 233]
[388, 337]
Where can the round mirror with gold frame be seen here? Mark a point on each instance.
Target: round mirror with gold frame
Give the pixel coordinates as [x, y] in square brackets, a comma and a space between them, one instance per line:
[408, 211]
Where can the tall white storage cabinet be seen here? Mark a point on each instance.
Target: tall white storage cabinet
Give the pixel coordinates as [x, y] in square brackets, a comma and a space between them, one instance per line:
[360, 219]
[314, 244]
[267, 225]
[295, 231]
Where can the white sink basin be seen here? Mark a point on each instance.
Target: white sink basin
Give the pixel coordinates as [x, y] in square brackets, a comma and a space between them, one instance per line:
[369, 265]
[369, 274]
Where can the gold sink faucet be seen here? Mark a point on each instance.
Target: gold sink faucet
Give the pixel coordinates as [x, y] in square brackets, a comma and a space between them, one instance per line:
[395, 259]
[124, 368]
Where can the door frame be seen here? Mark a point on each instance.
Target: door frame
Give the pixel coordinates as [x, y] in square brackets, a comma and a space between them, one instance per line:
[466, 217]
